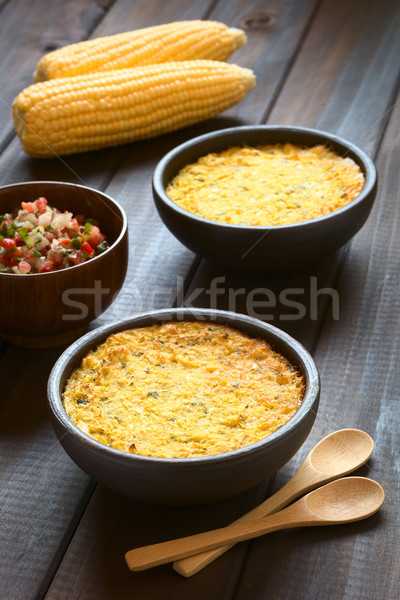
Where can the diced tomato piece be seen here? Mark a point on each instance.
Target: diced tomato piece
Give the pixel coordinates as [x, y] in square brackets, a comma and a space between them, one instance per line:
[65, 242]
[49, 236]
[9, 244]
[28, 206]
[18, 239]
[29, 255]
[75, 225]
[13, 259]
[55, 256]
[4, 257]
[47, 266]
[41, 204]
[76, 257]
[95, 237]
[87, 248]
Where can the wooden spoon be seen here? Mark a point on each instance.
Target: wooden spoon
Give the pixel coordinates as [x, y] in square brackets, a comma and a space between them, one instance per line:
[341, 501]
[336, 455]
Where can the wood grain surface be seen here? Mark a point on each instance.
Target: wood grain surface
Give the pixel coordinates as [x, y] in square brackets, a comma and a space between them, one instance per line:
[319, 63]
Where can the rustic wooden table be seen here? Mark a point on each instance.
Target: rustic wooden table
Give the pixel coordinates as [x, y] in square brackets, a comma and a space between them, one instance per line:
[329, 64]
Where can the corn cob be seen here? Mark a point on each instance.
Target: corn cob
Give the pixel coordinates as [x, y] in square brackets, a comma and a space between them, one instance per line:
[87, 112]
[186, 40]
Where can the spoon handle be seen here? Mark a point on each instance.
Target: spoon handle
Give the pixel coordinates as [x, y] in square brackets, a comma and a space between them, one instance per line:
[158, 554]
[304, 480]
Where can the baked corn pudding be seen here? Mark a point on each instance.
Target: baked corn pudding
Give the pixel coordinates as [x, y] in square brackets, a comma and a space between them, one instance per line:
[182, 390]
[267, 185]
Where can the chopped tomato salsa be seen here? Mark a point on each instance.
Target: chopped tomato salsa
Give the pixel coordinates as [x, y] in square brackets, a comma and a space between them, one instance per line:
[40, 239]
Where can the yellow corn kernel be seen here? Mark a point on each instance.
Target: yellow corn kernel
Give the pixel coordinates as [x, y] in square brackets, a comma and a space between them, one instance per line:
[185, 40]
[87, 112]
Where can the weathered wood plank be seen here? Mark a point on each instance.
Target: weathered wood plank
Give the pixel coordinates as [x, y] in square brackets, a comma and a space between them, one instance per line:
[358, 358]
[306, 557]
[42, 493]
[275, 30]
[35, 36]
[354, 347]
[121, 582]
[2, 3]
[149, 284]
[126, 15]
[323, 69]
[93, 566]
[30, 30]
[30, 521]
[296, 302]
[348, 64]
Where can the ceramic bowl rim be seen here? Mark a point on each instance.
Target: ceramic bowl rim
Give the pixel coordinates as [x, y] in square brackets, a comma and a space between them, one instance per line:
[81, 346]
[124, 225]
[219, 136]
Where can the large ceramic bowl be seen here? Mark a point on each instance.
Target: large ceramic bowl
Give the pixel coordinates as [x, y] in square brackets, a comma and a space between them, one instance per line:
[48, 309]
[256, 249]
[188, 480]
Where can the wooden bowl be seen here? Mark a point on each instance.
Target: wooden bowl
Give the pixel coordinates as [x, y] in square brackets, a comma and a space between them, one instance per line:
[256, 249]
[48, 309]
[191, 480]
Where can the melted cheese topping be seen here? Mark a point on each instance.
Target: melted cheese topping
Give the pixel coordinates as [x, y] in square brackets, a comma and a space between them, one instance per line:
[267, 185]
[182, 389]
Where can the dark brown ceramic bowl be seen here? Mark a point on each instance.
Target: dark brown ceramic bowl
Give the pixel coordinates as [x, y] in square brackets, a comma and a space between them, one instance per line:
[254, 249]
[47, 309]
[191, 480]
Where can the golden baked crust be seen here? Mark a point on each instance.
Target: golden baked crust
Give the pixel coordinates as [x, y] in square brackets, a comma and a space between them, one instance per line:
[267, 185]
[182, 389]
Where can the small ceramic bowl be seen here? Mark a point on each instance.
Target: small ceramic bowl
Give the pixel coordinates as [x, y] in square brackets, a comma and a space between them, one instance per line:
[256, 249]
[48, 309]
[190, 480]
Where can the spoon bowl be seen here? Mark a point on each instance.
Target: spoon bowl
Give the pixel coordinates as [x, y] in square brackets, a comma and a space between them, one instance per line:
[341, 501]
[337, 454]
[342, 452]
[345, 500]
